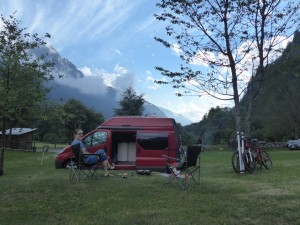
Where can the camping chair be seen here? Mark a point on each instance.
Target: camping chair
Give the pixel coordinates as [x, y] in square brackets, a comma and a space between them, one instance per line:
[80, 170]
[187, 167]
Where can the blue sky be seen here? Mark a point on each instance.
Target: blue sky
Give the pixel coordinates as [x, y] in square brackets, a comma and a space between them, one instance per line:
[111, 41]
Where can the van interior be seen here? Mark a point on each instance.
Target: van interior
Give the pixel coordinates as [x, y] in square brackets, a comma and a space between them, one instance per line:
[124, 148]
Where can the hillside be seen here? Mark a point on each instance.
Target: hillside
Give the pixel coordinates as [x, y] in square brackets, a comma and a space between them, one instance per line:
[276, 108]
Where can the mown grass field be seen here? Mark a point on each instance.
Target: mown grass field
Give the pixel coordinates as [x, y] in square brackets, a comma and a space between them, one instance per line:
[34, 192]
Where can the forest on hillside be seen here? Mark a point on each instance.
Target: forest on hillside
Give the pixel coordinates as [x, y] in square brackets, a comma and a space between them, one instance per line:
[276, 108]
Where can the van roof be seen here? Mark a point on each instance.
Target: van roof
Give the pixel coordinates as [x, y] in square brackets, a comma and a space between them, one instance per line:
[138, 121]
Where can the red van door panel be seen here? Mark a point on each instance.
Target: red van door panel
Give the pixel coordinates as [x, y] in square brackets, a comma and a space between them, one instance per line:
[150, 148]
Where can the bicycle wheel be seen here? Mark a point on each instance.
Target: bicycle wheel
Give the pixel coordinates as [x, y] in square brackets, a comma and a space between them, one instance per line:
[258, 159]
[266, 160]
[235, 161]
[249, 161]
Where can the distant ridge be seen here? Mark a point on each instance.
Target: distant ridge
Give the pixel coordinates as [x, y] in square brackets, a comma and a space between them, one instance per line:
[105, 102]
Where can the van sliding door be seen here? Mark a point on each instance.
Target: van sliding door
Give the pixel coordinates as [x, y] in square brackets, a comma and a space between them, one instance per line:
[150, 147]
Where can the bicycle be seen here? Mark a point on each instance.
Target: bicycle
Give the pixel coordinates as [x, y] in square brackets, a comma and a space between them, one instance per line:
[262, 158]
[235, 161]
[253, 157]
[247, 158]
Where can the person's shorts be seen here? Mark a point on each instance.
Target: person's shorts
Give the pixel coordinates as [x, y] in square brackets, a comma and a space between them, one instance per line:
[102, 154]
[93, 158]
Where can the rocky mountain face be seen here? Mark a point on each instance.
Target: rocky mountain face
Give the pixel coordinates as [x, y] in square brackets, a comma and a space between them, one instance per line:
[63, 67]
[104, 102]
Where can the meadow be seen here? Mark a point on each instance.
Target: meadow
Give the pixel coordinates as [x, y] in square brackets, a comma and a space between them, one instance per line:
[32, 192]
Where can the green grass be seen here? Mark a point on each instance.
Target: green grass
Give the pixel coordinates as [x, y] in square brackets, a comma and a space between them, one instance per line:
[32, 192]
[40, 145]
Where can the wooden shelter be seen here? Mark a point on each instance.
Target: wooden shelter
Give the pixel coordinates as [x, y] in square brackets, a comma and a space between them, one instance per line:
[19, 138]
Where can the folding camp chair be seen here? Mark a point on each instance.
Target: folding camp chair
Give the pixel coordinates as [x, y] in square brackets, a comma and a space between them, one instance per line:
[80, 170]
[187, 168]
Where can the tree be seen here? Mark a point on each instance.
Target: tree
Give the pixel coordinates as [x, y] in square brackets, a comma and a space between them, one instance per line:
[73, 115]
[60, 120]
[216, 127]
[131, 104]
[22, 75]
[234, 40]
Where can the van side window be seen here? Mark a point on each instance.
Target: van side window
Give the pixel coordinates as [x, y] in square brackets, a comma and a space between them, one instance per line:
[153, 141]
[95, 139]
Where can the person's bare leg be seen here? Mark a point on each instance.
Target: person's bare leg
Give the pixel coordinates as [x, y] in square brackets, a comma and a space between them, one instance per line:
[105, 166]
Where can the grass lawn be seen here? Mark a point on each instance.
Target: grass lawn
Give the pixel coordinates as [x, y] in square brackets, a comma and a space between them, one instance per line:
[40, 145]
[32, 192]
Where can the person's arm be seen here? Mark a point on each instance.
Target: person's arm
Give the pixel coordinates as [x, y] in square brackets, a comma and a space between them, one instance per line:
[83, 148]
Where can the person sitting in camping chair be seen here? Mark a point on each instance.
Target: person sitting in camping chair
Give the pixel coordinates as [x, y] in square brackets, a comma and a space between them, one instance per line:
[183, 155]
[185, 168]
[93, 158]
[179, 164]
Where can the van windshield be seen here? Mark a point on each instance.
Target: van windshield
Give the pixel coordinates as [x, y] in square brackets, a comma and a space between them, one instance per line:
[95, 139]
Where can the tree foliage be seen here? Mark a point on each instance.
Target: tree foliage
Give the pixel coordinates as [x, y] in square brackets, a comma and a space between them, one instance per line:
[131, 104]
[60, 120]
[216, 126]
[233, 40]
[22, 74]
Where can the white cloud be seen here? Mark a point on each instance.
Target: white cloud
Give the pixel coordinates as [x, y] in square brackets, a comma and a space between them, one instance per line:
[119, 79]
[118, 51]
[87, 71]
[193, 108]
[201, 58]
[71, 21]
[86, 85]
[150, 83]
[176, 49]
[120, 69]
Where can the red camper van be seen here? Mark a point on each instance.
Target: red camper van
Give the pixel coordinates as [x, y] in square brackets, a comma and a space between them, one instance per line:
[131, 142]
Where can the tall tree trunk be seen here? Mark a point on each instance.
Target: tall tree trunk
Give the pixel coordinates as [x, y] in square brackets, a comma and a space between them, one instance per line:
[236, 98]
[247, 122]
[2, 148]
[296, 129]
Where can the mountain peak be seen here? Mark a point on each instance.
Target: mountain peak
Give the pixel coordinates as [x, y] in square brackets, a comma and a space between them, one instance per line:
[104, 102]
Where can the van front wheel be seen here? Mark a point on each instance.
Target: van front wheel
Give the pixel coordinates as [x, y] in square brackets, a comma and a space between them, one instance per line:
[68, 165]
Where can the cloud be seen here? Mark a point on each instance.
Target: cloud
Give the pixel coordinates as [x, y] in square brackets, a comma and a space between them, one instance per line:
[71, 21]
[118, 51]
[202, 57]
[149, 26]
[87, 85]
[194, 108]
[87, 71]
[120, 79]
[247, 65]
[176, 49]
[96, 81]
[150, 82]
[120, 70]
